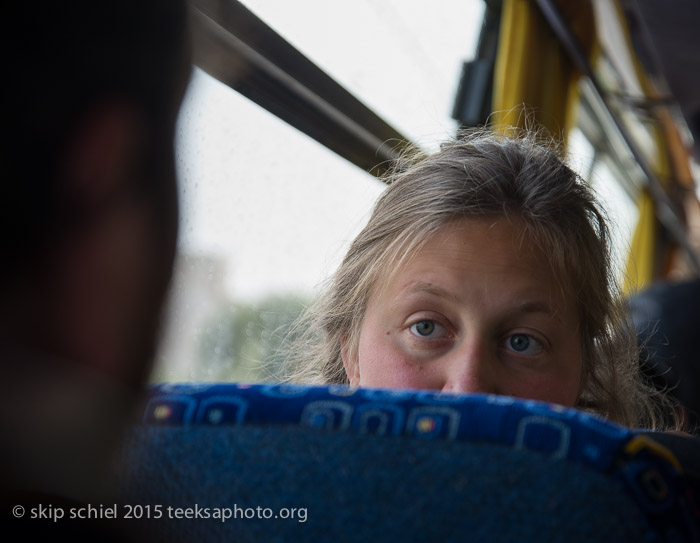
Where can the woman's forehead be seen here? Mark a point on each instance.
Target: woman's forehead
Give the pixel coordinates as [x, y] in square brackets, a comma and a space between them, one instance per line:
[480, 250]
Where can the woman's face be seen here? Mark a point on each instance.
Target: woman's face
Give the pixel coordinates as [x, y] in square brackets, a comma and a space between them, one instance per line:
[477, 309]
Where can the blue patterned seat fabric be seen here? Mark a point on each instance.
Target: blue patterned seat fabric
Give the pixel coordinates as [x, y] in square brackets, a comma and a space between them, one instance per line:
[424, 432]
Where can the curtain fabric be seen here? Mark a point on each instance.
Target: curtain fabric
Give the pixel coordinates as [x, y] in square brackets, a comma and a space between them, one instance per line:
[534, 81]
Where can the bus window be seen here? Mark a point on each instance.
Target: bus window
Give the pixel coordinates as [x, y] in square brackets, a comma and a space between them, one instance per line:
[401, 58]
[265, 212]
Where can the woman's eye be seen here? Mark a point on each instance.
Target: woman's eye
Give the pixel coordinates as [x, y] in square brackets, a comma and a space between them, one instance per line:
[428, 329]
[523, 344]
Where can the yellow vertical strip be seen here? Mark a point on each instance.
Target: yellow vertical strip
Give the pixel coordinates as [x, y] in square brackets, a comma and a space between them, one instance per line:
[533, 79]
[640, 261]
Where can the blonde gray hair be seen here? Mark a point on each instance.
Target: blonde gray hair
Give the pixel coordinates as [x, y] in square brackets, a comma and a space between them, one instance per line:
[484, 175]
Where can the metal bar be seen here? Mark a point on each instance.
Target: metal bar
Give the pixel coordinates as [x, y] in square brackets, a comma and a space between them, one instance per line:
[241, 51]
[665, 209]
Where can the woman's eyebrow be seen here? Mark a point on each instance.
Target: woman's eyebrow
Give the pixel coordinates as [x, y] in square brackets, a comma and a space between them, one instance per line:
[421, 287]
[522, 308]
[537, 306]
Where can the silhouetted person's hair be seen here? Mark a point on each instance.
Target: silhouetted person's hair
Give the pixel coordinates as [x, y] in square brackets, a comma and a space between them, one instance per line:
[59, 59]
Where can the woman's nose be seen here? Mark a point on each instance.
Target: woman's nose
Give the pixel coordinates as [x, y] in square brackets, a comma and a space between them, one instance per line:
[470, 370]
